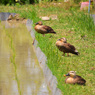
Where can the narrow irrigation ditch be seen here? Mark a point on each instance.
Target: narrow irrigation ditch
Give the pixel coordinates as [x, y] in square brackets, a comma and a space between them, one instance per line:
[23, 66]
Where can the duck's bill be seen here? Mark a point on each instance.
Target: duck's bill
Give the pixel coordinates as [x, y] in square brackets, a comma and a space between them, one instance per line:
[68, 74]
[64, 75]
[58, 40]
[36, 23]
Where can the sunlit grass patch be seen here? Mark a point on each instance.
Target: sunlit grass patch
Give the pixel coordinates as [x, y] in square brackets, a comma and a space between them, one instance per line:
[79, 30]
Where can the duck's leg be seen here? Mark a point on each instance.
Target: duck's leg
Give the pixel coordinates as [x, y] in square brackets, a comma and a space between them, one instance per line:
[63, 54]
[43, 35]
[67, 54]
[33, 41]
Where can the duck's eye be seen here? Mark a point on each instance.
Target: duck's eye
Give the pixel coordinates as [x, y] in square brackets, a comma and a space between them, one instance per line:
[72, 72]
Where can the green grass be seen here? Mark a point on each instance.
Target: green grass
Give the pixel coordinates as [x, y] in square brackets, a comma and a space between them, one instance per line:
[79, 29]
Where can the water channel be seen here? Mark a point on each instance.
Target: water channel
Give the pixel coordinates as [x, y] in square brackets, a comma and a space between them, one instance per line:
[20, 73]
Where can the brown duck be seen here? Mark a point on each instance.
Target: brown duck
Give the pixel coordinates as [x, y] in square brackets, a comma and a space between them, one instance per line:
[74, 79]
[43, 29]
[66, 47]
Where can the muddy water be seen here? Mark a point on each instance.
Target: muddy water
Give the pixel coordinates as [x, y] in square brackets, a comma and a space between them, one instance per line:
[20, 73]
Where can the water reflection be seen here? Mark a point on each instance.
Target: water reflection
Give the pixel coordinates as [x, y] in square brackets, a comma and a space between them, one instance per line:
[20, 73]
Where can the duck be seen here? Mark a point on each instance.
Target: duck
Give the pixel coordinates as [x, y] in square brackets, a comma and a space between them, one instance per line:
[65, 47]
[43, 29]
[74, 79]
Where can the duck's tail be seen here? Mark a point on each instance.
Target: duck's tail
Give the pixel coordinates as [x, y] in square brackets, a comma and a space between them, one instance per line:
[76, 52]
[53, 32]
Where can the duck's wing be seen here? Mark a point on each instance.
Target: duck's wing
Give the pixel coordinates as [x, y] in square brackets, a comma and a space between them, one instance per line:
[72, 49]
[47, 29]
[63, 46]
[80, 80]
[69, 46]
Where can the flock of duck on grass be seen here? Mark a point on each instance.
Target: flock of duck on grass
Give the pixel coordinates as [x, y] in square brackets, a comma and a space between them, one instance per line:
[64, 47]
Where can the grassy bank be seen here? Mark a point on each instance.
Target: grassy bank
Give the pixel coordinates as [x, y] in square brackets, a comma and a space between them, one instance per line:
[79, 30]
